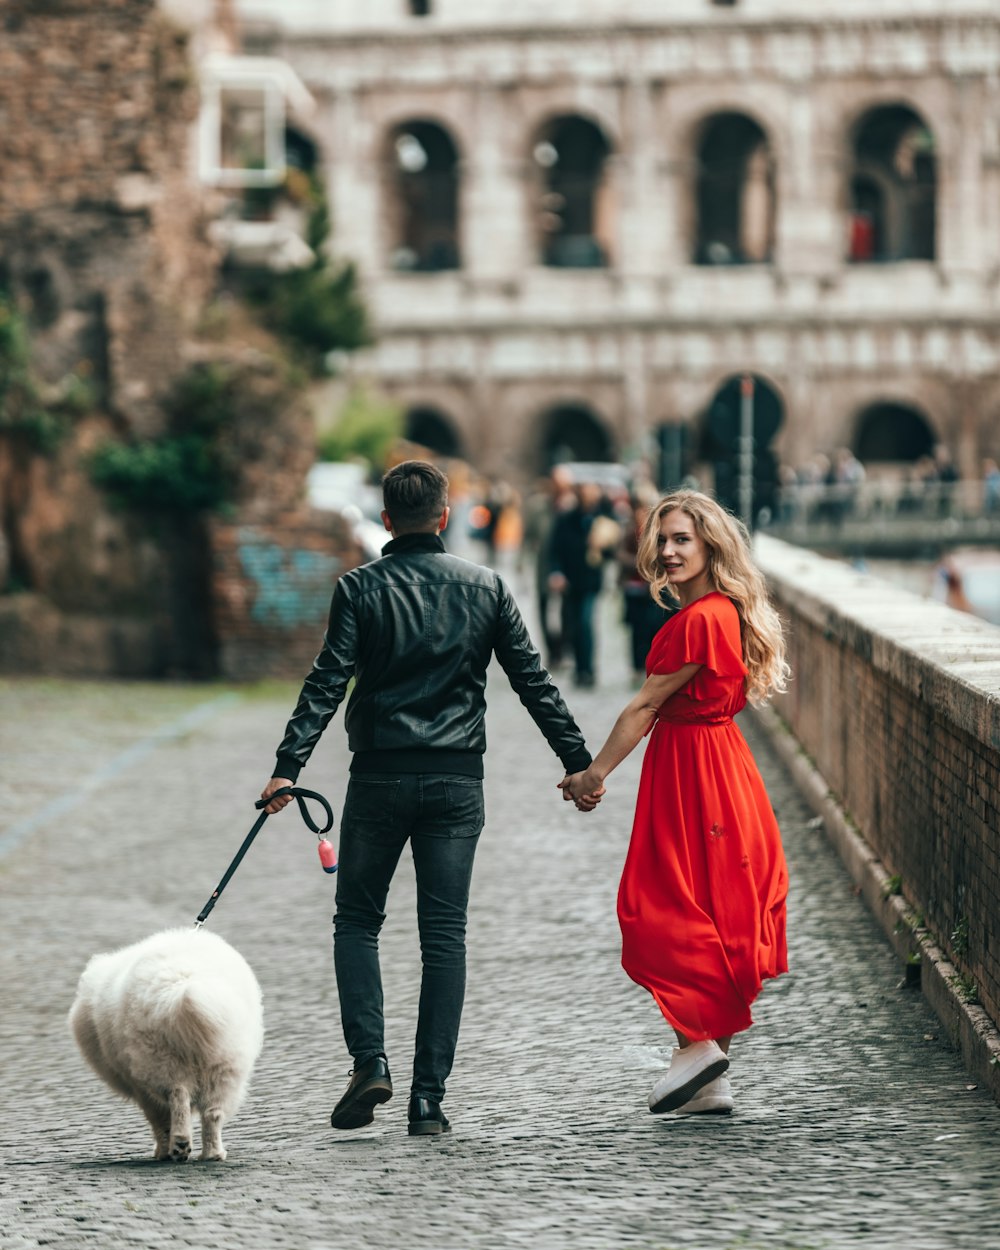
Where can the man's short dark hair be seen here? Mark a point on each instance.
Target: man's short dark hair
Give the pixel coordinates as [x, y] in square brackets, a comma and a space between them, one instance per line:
[414, 494]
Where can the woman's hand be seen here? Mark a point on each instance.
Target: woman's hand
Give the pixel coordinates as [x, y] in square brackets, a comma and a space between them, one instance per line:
[585, 789]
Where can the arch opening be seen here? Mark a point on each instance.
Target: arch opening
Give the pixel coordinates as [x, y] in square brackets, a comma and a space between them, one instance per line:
[735, 200]
[893, 188]
[892, 433]
[430, 428]
[569, 433]
[422, 194]
[575, 218]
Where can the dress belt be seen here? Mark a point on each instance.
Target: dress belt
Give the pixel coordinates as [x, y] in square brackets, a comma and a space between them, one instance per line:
[695, 720]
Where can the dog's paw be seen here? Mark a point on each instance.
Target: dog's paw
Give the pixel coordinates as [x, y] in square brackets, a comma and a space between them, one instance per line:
[208, 1156]
[180, 1149]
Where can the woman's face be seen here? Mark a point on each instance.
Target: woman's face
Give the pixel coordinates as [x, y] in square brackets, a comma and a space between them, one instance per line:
[682, 553]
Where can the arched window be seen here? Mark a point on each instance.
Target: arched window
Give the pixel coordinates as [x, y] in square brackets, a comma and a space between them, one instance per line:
[892, 188]
[571, 432]
[422, 192]
[430, 428]
[892, 433]
[734, 197]
[575, 211]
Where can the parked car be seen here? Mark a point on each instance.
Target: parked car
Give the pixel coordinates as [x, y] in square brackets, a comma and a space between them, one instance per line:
[344, 487]
[614, 479]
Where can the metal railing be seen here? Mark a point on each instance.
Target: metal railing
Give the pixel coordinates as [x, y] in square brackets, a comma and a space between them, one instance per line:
[891, 510]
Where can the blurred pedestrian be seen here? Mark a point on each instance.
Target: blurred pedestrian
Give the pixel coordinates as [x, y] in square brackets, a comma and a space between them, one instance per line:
[812, 481]
[946, 475]
[847, 474]
[490, 520]
[416, 630]
[991, 487]
[702, 897]
[911, 495]
[643, 614]
[583, 539]
[788, 494]
[948, 577]
[552, 496]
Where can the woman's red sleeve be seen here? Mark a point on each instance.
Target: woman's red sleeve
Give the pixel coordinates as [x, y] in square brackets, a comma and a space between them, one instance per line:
[707, 634]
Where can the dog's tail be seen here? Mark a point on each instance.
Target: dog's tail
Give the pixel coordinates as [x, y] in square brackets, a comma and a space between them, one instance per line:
[199, 1014]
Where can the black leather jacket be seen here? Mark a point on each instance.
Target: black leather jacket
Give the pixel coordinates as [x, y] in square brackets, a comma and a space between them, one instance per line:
[417, 629]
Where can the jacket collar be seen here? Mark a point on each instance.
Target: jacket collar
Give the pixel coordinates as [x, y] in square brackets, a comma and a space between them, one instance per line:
[406, 543]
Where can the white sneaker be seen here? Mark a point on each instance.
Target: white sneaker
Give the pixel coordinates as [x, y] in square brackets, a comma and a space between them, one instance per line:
[690, 1070]
[715, 1098]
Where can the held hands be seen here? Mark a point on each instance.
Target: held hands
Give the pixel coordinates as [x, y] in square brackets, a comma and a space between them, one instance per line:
[276, 783]
[584, 789]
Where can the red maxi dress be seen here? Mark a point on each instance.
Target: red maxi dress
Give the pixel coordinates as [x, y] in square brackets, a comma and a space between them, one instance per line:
[702, 896]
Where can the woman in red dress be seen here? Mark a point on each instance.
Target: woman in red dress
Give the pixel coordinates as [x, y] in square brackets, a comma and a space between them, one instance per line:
[702, 896]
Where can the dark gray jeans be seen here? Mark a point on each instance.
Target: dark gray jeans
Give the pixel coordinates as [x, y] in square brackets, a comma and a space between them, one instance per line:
[442, 816]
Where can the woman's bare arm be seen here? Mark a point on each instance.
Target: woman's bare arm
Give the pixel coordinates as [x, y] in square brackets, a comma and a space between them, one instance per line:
[628, 731]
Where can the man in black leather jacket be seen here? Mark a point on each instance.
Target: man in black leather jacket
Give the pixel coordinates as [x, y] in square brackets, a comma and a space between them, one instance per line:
[416, 629]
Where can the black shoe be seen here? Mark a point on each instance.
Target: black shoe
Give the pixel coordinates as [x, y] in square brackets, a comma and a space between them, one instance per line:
[370, 1085]
[426, 1118]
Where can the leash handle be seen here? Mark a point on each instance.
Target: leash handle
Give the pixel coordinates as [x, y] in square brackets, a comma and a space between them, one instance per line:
[300, 795]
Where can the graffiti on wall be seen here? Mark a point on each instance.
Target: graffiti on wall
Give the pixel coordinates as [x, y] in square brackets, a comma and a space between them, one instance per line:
[290, 586]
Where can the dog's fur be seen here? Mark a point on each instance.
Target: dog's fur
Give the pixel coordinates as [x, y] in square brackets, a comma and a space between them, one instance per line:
[173, 1022]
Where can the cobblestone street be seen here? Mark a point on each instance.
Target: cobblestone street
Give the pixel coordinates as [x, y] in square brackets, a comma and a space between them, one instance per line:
[122, 805]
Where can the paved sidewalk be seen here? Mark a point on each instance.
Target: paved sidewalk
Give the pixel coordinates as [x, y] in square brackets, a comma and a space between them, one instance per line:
[855, 1124]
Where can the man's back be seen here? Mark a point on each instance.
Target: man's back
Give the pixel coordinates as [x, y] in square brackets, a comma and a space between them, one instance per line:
[427, 624]
[416, 629]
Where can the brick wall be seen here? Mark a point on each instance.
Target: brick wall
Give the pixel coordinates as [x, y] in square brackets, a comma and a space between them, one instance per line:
[272, 583]
[104, 250]
[102, 232]
[896, 701]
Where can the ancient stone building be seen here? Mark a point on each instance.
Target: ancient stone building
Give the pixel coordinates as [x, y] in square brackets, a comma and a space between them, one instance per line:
[580, 223]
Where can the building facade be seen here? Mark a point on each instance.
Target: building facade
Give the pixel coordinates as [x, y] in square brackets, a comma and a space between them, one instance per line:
[579, 230]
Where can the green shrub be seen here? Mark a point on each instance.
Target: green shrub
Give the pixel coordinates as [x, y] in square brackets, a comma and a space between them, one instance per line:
[185, 469]
[366, 429]
[318, 310]
[166, 474]
[21, 410]
[44, 422]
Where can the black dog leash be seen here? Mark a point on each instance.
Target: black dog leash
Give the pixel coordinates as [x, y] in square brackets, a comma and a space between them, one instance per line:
[300, 797]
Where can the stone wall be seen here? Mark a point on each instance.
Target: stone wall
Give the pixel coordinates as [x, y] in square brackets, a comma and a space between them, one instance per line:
[105, 257]
[102, 238]
[895, 705]
[86, 587]
[105, 260]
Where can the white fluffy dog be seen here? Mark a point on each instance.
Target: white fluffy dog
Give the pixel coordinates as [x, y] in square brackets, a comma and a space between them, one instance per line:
[173, 1022]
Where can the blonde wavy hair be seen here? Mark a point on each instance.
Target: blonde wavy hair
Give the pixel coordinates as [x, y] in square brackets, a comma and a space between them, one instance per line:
[733, 572]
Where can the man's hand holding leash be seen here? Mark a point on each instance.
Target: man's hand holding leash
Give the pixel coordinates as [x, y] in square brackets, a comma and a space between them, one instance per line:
[276, 783]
